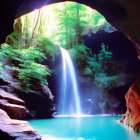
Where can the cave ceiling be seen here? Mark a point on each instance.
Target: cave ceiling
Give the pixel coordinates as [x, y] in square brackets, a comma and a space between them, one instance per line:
[122, 14]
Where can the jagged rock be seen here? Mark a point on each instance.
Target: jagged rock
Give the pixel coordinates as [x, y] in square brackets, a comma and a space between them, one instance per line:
[132, 116]
[16, 129]
[13, 110]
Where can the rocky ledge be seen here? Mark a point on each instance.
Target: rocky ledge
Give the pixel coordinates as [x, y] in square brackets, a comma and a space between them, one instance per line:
[12, 104]
[11, 129]
[12, 109]
[132, 115]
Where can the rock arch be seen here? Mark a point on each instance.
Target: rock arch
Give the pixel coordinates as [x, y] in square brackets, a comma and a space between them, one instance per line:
[124, 15]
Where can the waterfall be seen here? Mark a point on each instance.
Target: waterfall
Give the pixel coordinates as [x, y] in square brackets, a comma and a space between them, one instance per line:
[69, 100]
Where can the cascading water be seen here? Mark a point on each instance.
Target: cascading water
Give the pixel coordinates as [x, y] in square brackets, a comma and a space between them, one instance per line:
[69, 102]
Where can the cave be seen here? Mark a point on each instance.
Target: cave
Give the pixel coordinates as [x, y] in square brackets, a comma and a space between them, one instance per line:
[119, 40]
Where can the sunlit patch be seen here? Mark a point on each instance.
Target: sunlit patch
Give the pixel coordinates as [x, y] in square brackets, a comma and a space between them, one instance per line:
[49, 22]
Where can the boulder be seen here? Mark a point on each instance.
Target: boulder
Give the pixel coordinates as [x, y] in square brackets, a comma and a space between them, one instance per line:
[11, 129]
[132, 115]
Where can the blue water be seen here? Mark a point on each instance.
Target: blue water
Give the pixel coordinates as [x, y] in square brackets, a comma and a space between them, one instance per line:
[85, 128]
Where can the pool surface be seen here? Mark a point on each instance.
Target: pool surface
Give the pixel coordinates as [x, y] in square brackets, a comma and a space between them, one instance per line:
[84, 128]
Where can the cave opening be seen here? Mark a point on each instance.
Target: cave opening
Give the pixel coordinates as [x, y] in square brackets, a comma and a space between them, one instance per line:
[104, 68]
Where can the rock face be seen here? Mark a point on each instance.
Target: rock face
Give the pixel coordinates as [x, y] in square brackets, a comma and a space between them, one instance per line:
[11, 108]
[11, 129]
[12, 105]
[132, 116]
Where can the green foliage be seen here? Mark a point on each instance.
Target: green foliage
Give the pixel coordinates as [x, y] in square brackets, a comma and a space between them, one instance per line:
[24, 63]
[30, 54]
[45, 45]
[104, 54]
[32, 71]
[106, 73]
[33, 37]
[70, 24]
[102, 69]
[12, 38]
[3, 74]
[64, 23]
[104, 58]
[17, 54]
[75, 20]
[82, 56]
[104, 81]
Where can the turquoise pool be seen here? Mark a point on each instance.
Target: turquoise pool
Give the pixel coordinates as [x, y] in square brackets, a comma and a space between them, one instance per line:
[84, 128]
